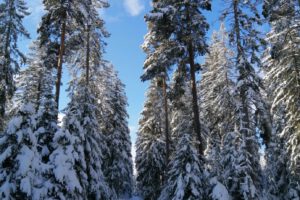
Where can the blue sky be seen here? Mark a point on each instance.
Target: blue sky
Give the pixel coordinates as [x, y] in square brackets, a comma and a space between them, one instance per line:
[125, 21]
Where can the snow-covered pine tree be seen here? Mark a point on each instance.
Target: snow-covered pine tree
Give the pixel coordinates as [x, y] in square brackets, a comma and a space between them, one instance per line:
[186, 175]
[184, 178]
[63, 20]
[55, 147]
[217, 93]
[150, 145]
[247, 41]
[81, 120]
[118, 166]
[36, 112]
[81, 123]
[161, 55]
[185, 33]
[283, 76]
[11, 28]
[21, 164]
[190, 27]
[19, 156]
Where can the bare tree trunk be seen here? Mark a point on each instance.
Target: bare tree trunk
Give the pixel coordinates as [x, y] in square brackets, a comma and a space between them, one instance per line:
[60, 60]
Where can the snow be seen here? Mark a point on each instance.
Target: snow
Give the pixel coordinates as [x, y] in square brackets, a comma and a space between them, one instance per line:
[220, 192]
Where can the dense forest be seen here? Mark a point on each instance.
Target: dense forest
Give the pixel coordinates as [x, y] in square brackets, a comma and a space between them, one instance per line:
[221, 119]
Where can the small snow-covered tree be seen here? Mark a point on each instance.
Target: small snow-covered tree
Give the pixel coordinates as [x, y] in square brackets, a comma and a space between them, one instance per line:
[19, 156]
[185, 178]
[11, 28]
[150, 145]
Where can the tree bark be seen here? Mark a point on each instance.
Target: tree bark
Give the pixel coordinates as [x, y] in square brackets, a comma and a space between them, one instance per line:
[242, 71]
[4, 75]
[60, 60]
[197, 124]
[167, 134]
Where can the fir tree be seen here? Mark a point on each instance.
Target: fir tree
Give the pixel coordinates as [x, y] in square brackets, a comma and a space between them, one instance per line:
[217, 92]
[19, 156]
[184, 181]
[81, 122]
[186, 175]
[282, 66]
[11, 28]
[118, 168]
[180, 27]
[161, 56]
[247, 42]
[150, 145]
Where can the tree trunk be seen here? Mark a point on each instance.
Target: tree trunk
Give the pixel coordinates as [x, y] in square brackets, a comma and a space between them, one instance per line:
[243, 91]
[197, 124]
[167, 135]
[4, 75]
[60, 60]
[87, 61]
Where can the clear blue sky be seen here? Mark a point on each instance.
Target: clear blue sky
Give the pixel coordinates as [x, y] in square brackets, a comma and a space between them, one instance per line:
[125, 21]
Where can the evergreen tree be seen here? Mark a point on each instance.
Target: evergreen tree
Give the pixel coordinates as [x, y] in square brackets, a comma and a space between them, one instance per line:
[19, 156]
[184, 181]
[282, 66]
[181, 28]
[190, 27]
[186, 175]
[250, 105]
[63, 20]
[248, 43]
[21, 166]
[161, 56]
[150, 145]
[217, 92]
[118, 164]
[81, 122]
[11, 28]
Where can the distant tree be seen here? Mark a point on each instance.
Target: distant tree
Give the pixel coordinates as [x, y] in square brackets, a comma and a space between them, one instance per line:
[150, 145]
[11, 28]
